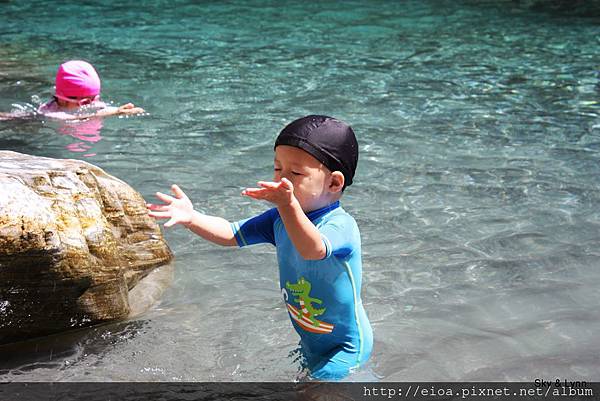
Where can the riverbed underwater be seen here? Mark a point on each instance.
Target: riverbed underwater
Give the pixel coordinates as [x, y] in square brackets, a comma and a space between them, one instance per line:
[477, 192]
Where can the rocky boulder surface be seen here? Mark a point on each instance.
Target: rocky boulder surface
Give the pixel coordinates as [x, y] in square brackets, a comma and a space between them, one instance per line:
[74, 242]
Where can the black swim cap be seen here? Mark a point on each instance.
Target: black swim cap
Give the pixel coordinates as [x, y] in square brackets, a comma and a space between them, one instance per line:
[330, 141]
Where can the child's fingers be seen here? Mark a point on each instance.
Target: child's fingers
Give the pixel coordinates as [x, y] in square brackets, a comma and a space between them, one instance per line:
[252, 191]
[160, 215]
[287, 184]
[158, 208]
[165, 198]
[179, 194]
[256, 193]
[284, 183]
[170, 223]
[268, 184]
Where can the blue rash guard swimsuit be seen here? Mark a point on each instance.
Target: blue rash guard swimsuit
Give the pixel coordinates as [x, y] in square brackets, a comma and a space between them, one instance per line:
[322, 296]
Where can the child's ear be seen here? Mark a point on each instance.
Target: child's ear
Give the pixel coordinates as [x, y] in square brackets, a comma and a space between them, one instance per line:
[337, 181]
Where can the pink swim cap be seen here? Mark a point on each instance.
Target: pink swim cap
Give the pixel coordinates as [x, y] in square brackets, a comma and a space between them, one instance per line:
[76, 78]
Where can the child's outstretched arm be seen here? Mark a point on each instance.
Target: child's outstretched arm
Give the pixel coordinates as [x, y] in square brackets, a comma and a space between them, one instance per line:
[125, 109]
[179, 210]
[6, 116]
[303, 233]
[14, 115]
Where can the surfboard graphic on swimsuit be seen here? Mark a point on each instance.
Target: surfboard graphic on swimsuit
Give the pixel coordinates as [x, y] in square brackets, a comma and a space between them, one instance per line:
[306, 313]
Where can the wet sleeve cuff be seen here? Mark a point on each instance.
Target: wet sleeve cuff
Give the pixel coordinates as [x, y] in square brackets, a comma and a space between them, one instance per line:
[237, 233]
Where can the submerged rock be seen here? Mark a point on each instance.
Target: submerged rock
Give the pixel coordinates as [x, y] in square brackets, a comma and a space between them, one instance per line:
[74, 242]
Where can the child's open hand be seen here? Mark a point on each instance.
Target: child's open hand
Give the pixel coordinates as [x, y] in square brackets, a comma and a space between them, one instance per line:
[280, 193]
[129, 108]
[178, 209]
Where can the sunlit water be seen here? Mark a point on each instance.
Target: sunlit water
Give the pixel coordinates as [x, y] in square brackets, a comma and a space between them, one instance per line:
[477, 193]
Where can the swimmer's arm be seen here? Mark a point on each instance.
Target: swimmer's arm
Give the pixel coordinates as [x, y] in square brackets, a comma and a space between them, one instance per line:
[61, 115]
[179, 210]
[14, 115]
[125, 109]
[302, 232]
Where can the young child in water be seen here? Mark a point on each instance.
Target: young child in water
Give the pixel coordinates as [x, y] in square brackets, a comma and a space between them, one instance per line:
[318, 242]
[77, 96]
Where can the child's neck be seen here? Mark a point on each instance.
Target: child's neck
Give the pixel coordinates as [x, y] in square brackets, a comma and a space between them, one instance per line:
[325, 203]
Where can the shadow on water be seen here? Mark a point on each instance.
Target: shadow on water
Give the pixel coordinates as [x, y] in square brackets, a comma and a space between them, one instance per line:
[555, 8]
[62, 349]
[13, 144]
[578, 8]
[23, 135]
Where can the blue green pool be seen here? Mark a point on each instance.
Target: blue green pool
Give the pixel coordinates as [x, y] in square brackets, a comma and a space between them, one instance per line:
[477, 192]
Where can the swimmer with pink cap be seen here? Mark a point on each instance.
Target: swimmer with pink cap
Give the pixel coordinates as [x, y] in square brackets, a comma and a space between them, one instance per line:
[77, 80]
[77, 85]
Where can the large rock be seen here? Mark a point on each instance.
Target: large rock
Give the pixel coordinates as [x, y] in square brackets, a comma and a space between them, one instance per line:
[74, 242]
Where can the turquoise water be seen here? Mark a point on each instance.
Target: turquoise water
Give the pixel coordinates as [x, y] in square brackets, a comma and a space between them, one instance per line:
[477, 192]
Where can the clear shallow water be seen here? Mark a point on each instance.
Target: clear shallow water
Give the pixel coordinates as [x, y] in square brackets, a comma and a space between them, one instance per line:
[477, 194]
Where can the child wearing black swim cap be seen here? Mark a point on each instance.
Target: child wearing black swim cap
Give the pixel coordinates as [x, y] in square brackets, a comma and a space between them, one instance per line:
[318, 242]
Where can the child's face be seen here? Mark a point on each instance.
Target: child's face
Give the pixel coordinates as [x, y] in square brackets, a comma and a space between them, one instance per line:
[75, 103]
[311, 179]
[67, 105]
